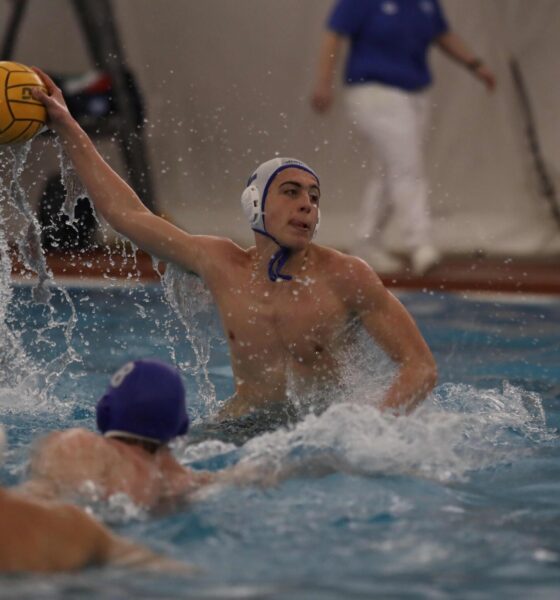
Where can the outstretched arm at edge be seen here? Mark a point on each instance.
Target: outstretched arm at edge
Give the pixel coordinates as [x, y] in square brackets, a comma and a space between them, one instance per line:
[121, 552]
[43, 537]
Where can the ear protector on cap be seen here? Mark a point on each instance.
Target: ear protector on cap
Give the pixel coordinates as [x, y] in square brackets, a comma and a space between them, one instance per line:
[253, 197]
[251, 203]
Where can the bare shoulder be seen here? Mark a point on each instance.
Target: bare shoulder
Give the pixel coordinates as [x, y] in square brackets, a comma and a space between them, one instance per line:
[68, 450]
[69, 439]
[340, 263]
[218, 253]
[218, 245]
[354, 281]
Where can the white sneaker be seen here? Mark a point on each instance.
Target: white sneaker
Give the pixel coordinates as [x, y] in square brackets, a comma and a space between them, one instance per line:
[423, 259]
[381, 261]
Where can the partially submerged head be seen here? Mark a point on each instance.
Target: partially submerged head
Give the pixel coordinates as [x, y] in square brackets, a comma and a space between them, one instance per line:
[145, 401]
[281, 201]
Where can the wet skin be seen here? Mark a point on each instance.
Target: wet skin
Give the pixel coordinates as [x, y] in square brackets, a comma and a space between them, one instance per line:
[284, 334]
[44, 537]
[78, 463]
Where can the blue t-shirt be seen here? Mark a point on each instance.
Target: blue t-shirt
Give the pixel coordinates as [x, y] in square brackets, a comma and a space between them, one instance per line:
[389, 39]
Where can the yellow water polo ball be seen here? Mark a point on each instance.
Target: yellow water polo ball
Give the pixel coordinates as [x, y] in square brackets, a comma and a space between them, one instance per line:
[21, 116]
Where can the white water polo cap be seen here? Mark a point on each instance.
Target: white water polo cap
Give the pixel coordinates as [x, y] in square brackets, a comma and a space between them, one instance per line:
[253, 199]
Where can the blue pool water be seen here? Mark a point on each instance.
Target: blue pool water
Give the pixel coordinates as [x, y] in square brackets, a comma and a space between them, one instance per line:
[460, 500]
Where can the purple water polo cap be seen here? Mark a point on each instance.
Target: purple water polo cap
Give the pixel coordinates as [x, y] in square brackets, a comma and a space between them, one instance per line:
[145, 400]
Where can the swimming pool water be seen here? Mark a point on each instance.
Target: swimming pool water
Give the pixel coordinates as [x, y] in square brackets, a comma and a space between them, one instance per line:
[460, 500]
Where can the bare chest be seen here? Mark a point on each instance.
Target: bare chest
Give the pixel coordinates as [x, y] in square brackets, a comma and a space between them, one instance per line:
[297, 321]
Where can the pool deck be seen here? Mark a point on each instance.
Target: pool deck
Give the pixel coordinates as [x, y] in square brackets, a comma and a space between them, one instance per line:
[454, 273]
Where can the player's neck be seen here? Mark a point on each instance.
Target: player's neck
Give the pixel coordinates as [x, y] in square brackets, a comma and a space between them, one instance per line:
[262, 254]
[140, 445]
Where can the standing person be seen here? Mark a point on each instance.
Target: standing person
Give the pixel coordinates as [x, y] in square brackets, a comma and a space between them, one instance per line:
[289, 307]
[42, 536]
[387, 77]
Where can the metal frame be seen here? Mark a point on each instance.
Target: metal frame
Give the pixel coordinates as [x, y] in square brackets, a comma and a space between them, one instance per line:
[102, 38]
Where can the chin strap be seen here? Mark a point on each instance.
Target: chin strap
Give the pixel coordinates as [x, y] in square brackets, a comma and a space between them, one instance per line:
[277, 262]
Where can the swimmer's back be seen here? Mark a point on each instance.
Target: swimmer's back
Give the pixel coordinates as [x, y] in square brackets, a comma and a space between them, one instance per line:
[77, 464]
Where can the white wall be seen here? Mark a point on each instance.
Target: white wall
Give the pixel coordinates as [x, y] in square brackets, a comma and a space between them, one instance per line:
[227, 82]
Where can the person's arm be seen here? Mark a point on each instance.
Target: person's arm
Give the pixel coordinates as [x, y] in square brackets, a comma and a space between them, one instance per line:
[47, 537]
[392, 327]
[323, 92]
[120, 552]
[452, 45]
[114, 198]
[84, 541]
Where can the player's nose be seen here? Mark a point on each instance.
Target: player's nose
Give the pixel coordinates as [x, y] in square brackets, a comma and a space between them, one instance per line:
[306, 203]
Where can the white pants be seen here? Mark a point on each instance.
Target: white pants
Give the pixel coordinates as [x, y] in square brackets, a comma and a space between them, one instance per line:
[394, 122]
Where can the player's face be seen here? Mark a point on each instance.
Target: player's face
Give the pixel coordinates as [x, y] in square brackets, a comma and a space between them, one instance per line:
[292, 207]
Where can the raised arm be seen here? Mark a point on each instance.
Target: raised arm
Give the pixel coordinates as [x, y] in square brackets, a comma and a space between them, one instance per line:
[113, 197]
[392, 327]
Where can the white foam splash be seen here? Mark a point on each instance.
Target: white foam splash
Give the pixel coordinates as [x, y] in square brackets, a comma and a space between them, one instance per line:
[203, 451]
[19, 373]
[29, 242]
[192, 302]
[116, 509]
[458, 430]
[73, 185]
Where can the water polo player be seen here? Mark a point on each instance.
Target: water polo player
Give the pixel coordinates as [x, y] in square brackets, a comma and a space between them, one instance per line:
[43, 537]
[288, 306]
[143, 409]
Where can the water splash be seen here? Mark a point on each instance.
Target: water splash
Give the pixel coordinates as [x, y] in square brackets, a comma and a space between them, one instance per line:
[11, 350]
[74, 187]
[116, 509]
[458, 430]
[366, 370]
[29, 240]
[20, 374]
[191, 300]
[362, 374]
[203, 451]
